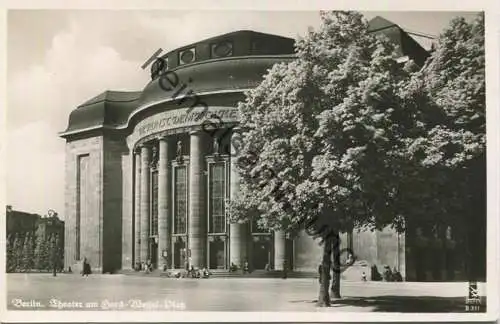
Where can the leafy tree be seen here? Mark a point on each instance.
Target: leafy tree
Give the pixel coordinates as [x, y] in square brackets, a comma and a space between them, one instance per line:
[449, 158]
[28, 253]
[313, 128]
[345, 137]
[10, 252]
[42, 253]
[18, 252]
[37, 253]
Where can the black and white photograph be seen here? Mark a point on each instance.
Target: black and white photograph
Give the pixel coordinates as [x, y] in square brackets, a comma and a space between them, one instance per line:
[249, 161]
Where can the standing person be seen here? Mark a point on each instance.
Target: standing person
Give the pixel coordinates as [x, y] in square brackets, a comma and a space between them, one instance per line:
[84, 262]
[86, 267]
[246, 267]
[285, 269]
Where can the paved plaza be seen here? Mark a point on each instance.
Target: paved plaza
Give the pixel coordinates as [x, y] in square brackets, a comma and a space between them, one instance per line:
[115, 292]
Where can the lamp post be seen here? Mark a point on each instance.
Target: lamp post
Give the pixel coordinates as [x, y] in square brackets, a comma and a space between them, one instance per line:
[51, 213]
[54, 255]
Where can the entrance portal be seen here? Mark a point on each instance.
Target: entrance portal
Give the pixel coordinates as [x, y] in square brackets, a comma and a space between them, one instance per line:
[217, 253]
[261, 253]
[153, 252]
[180, 254]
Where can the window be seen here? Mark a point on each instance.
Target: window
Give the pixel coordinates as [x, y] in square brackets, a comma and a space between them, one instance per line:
[217, 197]
[82, 193]
[154, 203]
[222, 49]
[187, 56]
[180, 199]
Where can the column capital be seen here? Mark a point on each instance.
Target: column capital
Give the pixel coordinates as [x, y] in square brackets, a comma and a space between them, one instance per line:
[140, 146]
[197, 132]
[162, 137]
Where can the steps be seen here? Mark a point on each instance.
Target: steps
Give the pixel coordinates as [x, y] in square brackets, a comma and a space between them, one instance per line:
[227, 274]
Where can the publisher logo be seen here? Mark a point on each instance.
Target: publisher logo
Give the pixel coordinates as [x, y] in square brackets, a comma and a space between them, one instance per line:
[473, 300]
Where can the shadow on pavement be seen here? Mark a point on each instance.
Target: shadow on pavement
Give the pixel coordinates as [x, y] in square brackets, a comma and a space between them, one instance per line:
[408, 304]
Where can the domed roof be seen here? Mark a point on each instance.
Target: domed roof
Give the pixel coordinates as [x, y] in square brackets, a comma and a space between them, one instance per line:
[228, 63]
[232, 62]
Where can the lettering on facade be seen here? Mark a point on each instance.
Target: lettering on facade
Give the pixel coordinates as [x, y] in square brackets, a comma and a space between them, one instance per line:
[180, 118]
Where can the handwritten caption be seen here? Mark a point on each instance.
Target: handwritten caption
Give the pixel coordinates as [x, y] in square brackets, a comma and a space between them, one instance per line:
[131, 304]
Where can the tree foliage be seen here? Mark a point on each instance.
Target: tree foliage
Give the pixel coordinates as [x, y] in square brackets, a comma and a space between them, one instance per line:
[27, 262]
[323, 124]
[27, 251]
[450, 155]
[42, 253]
[18, 251]
[10, 266]
[344, 136]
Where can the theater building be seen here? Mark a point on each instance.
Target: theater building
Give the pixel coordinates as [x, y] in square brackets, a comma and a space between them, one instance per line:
[146, 181]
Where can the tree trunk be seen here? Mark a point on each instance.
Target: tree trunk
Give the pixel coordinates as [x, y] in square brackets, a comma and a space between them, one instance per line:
[335, 289]
[324, 282]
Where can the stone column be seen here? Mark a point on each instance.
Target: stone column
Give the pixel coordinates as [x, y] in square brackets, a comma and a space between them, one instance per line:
[145, 212]
[279, 249]
[238, 233]
[197, 215]
[163, 206]
[137, 206]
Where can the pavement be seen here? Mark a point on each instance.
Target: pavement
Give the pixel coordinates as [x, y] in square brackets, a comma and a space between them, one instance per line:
[121, 292]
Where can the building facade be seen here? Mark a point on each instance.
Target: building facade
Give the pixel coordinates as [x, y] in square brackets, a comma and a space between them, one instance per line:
[19, 222]
[145, 179]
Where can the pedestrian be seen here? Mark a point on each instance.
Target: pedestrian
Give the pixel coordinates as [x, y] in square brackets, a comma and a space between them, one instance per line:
[387, 273]
[246, 267]
[86, 267]
[285, 269]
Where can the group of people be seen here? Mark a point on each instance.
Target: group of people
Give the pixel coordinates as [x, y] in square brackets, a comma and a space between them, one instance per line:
[191, 272]
[245, 267]
[147, 266]
[198, 273]
[388, 274]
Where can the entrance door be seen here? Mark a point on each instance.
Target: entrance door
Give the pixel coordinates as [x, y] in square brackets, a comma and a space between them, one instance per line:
[261, 254]
[217, 254]
[153, 250]
[179, 252]
[289, 254]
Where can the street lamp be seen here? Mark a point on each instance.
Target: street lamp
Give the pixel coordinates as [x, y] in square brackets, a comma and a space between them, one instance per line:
[54, 255]
[51, 213]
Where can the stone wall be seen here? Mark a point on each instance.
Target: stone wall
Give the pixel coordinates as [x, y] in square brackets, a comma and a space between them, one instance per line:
[380, 248]
[115, 152]
[308, 251]
[91, 225]
[387, 248]
[365, 245]
[128, 226]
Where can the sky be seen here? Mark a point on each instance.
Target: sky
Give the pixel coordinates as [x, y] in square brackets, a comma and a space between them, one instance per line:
[57, 59]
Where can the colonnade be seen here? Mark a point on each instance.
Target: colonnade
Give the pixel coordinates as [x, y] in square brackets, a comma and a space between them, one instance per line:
[197, 216]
